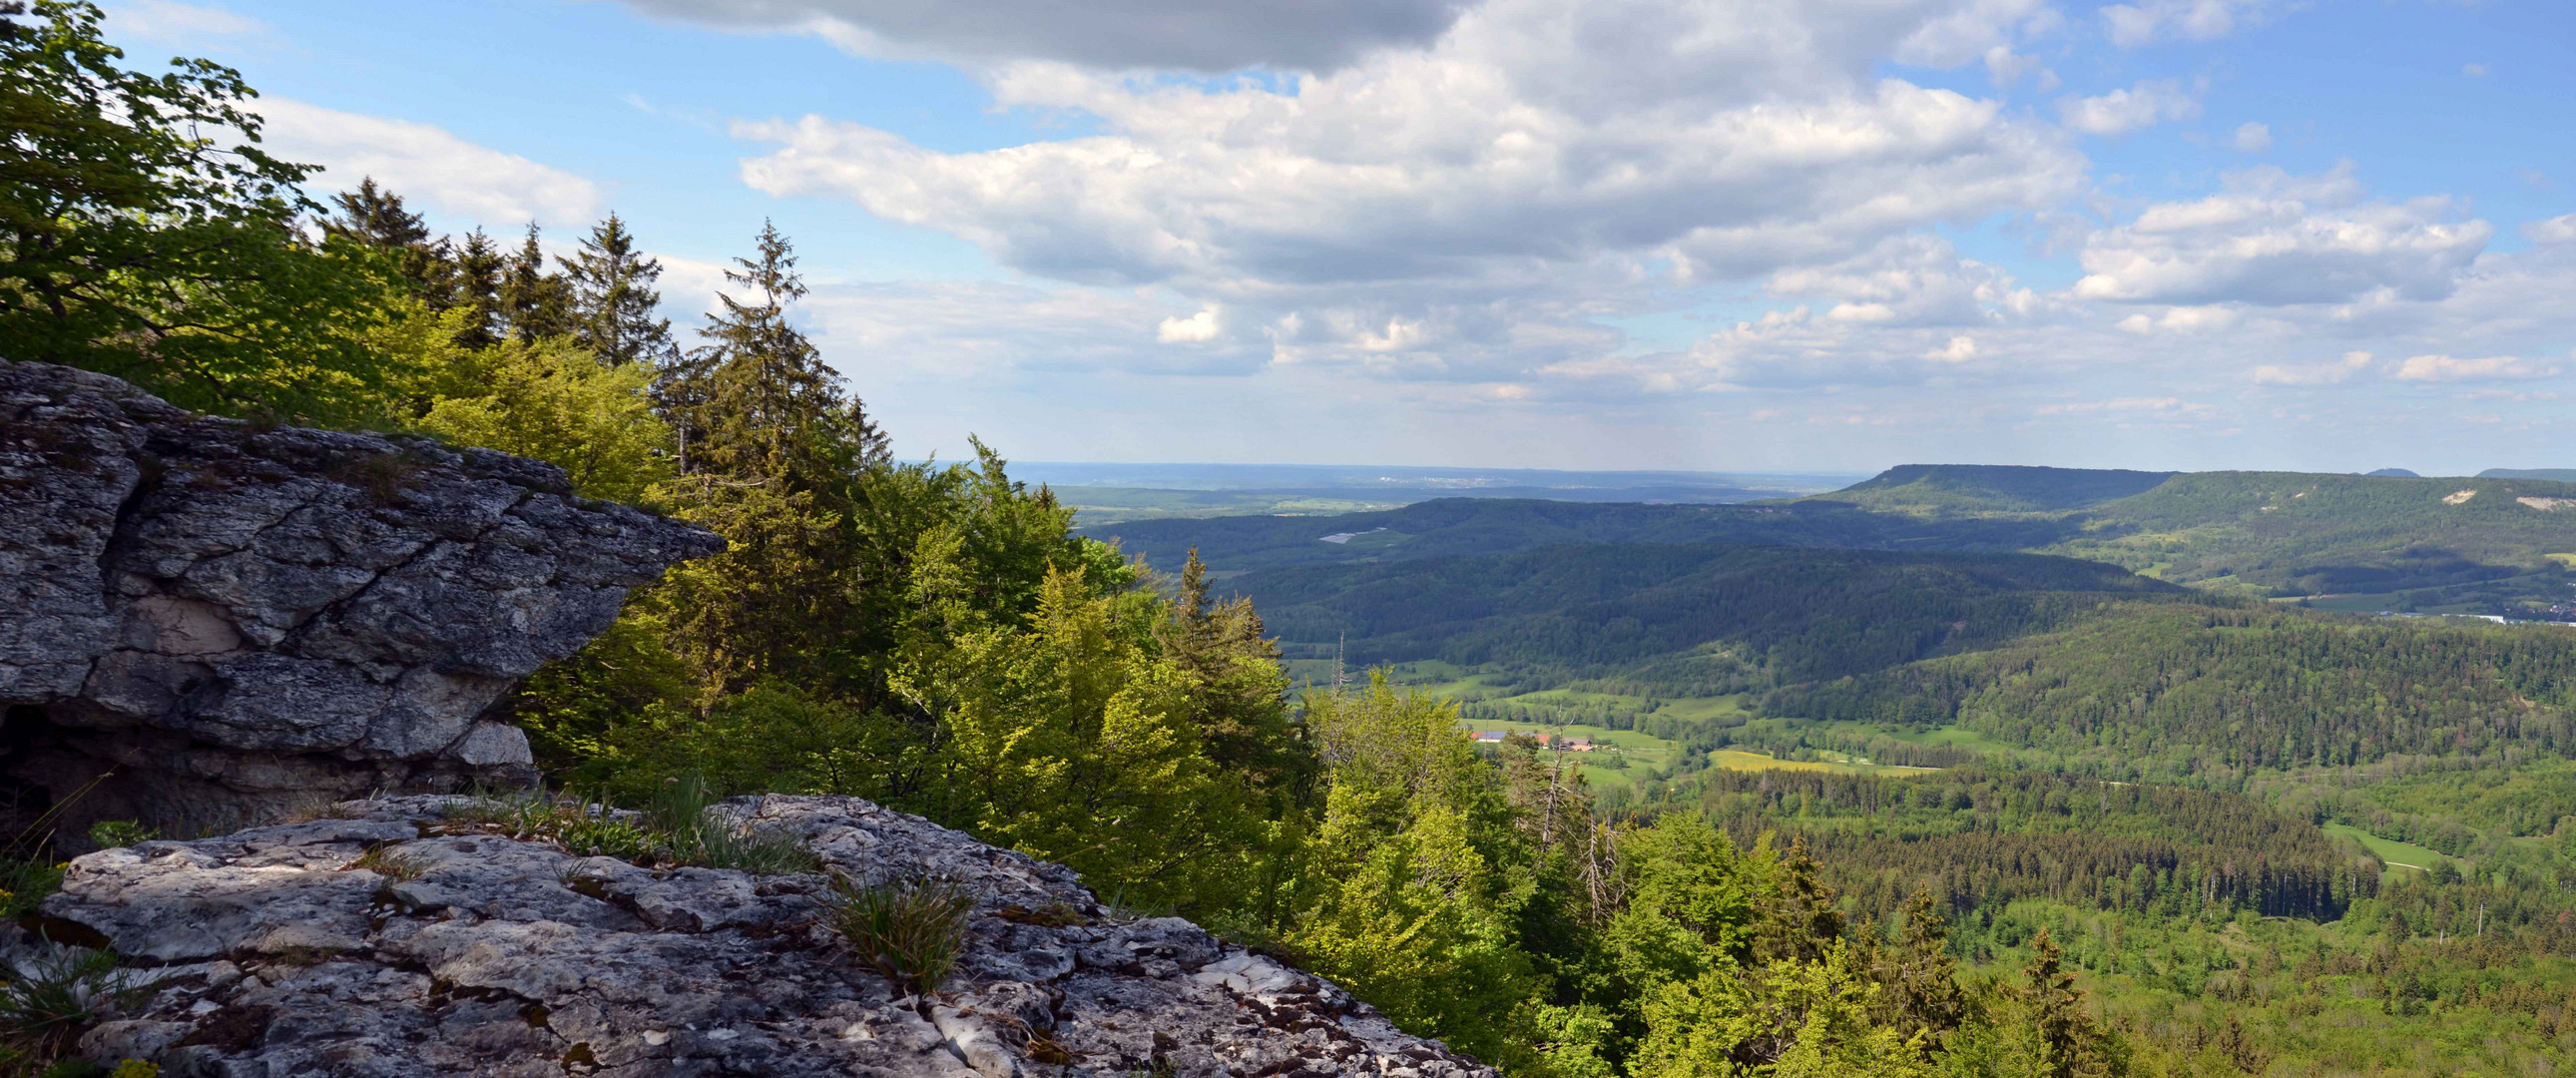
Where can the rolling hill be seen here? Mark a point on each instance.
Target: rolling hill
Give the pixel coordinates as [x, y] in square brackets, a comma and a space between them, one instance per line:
[2484, 545]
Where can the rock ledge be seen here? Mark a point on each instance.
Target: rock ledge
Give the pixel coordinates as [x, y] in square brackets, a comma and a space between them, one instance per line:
[512, 958]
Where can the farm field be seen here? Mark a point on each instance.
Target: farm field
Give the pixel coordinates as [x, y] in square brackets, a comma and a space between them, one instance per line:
[2402, 858]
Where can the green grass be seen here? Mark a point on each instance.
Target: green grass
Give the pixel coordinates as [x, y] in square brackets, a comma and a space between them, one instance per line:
[1727, 710]
[2354, 603]
[2401, 857]
[1642, 752]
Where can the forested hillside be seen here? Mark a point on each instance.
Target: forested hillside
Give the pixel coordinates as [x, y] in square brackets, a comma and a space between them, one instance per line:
[2178, 691]
[1460, 526]
[1681, 620]
[2487, 546]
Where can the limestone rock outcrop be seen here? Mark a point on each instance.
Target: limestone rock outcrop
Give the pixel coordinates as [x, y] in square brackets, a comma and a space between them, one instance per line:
[457, 950]
[231, 621]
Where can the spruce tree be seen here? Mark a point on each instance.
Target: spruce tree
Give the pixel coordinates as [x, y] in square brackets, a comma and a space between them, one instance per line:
[760, 403]
[478, 275]
[615, 305]
[535, 303]
[376, 216]
[2075, 1045]
[774, 457]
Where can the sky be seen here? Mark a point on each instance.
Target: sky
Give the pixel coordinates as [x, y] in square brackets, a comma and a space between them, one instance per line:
[2332, 235]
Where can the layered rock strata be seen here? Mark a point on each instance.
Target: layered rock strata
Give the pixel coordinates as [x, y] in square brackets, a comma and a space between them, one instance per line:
[276, 953]
[230, 621]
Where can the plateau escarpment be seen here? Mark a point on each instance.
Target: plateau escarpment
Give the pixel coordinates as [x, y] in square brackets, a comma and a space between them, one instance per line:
[229, 621]
[401, 937]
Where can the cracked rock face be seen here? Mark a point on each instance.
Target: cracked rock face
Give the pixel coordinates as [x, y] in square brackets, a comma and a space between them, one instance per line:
[277, 956]
[234, 622]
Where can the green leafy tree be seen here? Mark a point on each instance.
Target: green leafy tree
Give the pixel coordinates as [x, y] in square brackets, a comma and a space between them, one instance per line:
[550, 400]
[770, 737]
[1069, 736]
[1410, 888]
[579, 711]
[1408, 920]
[133, 241]
[1795, 1017]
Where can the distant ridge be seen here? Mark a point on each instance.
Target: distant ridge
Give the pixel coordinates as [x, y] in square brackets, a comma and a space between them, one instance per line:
[2561, 475]
[2392, 473]
[1992, 488]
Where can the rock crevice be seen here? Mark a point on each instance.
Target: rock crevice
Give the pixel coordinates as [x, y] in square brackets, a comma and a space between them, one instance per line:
[231, 622]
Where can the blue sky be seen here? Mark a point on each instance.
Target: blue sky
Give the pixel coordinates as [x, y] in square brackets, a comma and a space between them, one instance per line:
[1542, 233]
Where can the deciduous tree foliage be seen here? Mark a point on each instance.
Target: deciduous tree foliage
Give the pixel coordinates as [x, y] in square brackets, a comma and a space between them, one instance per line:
[145, 233]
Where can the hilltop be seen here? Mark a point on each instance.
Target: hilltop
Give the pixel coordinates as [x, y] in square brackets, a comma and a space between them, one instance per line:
[1931, 489]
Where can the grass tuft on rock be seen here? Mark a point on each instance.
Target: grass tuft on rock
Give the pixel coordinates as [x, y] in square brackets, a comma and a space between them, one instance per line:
[911, 931]
[683, 826]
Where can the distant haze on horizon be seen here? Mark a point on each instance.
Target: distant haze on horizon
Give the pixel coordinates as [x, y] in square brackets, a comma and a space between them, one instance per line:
[1725, 236]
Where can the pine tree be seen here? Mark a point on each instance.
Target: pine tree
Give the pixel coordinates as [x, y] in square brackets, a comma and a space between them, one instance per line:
[614, 302]
[376, 216]
[478, 273]
[758, 402]
[2075, 1046]
[534, 302]
[1237, 694]
[1798, 918]
[1917, 977]
[775, 457]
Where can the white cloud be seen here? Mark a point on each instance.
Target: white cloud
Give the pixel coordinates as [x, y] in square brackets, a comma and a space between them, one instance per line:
[2441, 368]
[1546, 162]
[176, 23]
[936, 331]
[1201, 35]
[2559, 229]
[2160, 406]
[2312, 374]
[1911, 280]
[1191, 330]
[427, 165]
[2122, 111]
[1532, 208]
[2276, 239]
[2475, 71]
[2151, 21]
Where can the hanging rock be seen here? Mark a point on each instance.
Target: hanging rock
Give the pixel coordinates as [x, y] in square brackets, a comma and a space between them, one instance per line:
[232, 622]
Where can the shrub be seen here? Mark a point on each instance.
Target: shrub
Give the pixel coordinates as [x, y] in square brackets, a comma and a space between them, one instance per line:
[912, 931]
